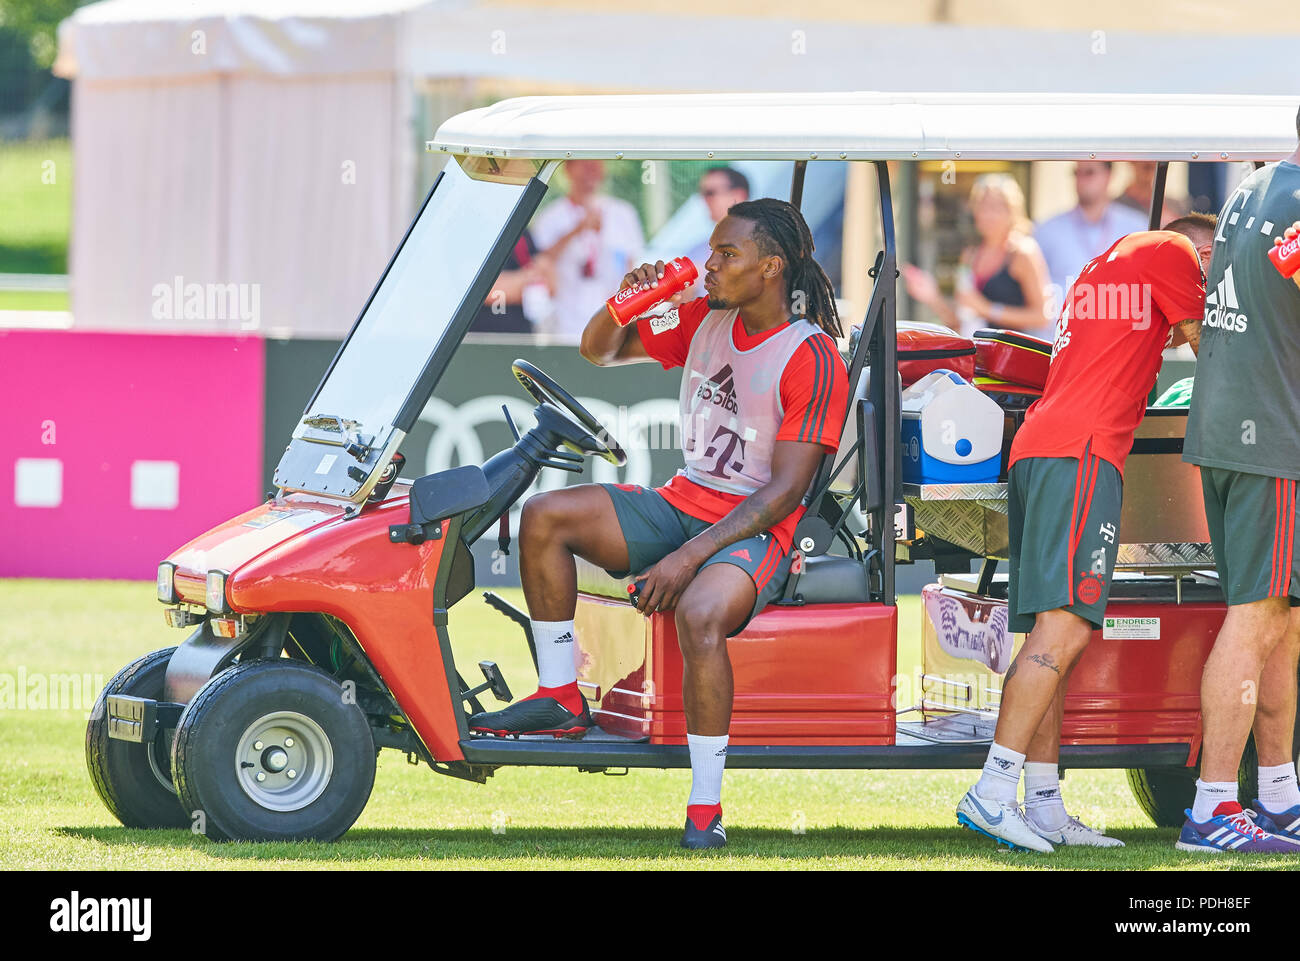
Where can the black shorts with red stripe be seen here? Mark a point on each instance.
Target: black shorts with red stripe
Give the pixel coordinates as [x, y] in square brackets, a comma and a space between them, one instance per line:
[1063, 533]
[1252, 521]
[653, 529]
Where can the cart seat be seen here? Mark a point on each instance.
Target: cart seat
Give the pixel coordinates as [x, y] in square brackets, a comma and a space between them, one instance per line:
[832, 579]
[828, 579]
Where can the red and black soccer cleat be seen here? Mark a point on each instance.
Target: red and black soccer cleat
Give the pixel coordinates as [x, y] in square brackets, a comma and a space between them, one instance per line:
[533, 715]
[704, 828]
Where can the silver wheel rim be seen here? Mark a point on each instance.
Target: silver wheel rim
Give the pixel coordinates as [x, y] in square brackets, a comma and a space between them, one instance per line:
[284, 761]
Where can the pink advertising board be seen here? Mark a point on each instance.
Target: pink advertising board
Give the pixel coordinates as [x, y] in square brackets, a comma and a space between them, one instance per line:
[119, 448]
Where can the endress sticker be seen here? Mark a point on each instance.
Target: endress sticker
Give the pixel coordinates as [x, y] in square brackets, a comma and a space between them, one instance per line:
[1131, 628]
[326, 463]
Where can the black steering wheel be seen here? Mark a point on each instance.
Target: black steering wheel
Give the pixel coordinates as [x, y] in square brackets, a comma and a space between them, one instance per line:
[590, 435]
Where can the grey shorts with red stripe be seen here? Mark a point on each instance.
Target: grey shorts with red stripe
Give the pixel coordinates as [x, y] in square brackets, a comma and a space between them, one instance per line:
[1063, 525]
[653, 529]
[1252, 521]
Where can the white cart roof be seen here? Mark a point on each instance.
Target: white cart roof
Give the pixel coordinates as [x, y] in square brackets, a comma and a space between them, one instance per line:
[878, 126]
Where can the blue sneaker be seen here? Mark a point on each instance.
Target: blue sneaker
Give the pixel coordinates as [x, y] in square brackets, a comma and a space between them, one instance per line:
[1231, 831]
[1285, 824]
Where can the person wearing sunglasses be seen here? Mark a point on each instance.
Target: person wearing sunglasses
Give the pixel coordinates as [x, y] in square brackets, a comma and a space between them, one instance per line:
[720, 188]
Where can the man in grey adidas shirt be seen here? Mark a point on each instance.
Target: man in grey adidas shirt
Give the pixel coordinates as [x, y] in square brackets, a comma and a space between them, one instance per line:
[1244, 432]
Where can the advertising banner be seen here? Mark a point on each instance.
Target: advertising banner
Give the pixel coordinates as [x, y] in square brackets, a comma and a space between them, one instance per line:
[122, 447]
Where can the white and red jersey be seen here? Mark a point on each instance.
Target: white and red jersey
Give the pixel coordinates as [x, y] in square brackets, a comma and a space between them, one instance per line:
[741, 394]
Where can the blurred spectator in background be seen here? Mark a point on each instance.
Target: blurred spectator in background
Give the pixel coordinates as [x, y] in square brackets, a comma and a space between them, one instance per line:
[1141, 187]
[521, 298]
[1001, 281]
[593, 240]
[1071, 239]
[720, 187]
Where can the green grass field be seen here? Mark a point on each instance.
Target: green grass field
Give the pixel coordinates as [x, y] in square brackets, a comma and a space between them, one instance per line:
[50, 816]
[33, 300]
[36, 197]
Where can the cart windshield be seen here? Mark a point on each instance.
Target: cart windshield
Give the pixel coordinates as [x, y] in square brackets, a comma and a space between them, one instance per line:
[407, 329]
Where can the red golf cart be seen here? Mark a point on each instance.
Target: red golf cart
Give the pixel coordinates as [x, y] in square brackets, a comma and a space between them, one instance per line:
[318, 621]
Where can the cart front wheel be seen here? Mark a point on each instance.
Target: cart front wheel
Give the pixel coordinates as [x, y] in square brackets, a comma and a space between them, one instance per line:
[273, 750]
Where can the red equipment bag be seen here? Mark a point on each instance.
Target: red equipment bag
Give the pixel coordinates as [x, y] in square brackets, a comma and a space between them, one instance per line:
[1012, 356]
[925, 348]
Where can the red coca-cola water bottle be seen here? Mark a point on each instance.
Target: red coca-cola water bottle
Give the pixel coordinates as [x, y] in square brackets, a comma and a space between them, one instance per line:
[631, 302]
[1286, 256]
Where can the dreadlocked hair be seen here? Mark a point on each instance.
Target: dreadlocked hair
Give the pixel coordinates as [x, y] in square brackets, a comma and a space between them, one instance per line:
[780, 230]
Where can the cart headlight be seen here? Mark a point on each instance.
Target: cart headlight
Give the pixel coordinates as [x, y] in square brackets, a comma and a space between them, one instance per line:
[216, 592]
[167, 583]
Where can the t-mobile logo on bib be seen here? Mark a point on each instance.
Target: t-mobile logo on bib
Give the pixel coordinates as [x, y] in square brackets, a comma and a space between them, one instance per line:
[725, 444]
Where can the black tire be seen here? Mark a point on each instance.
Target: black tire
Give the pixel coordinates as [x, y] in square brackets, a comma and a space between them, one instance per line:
[1164, 794]
[216, 731]
[133, 780]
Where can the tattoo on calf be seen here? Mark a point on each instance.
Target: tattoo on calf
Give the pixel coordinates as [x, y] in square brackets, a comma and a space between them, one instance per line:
[1046, 661]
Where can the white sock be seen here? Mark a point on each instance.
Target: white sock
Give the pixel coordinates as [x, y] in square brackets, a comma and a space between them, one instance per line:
[708, 758]
[555, 662]
[1001, 774]
[1277, 787]
[1043, 803]
[1209, 795]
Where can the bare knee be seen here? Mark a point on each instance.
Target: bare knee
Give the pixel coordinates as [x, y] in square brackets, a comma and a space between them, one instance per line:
[1258, 626]
[542, 519]
[1291, 633]
[1067, 631]
[699, 628]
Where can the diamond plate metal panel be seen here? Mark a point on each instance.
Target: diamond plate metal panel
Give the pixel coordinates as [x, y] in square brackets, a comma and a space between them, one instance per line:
[974, 516]
[1165, 557]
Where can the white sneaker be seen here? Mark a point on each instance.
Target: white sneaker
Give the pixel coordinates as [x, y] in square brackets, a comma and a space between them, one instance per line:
[1003, 821]
[1075, 834]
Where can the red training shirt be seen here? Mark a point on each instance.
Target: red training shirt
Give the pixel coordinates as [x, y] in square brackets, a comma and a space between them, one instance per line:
[813, 370]
[1113, 327]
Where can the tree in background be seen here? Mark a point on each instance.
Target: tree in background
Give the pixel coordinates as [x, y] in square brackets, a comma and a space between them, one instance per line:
[28, 43]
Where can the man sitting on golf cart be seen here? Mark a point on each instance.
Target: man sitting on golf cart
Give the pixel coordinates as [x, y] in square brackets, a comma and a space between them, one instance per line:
[763, 399]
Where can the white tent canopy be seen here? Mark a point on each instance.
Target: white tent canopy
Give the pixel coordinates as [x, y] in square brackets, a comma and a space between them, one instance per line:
[273, 144]
[139, 39]
[264, 144]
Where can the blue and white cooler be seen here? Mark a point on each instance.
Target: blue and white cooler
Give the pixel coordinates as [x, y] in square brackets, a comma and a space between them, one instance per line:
[952, 432]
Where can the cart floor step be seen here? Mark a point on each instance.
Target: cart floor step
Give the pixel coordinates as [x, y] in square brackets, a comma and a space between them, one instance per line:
[594, 734]
[947, 729]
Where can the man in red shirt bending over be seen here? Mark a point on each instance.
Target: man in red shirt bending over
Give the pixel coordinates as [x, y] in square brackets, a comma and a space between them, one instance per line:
[1064, 495]
[763, 398]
